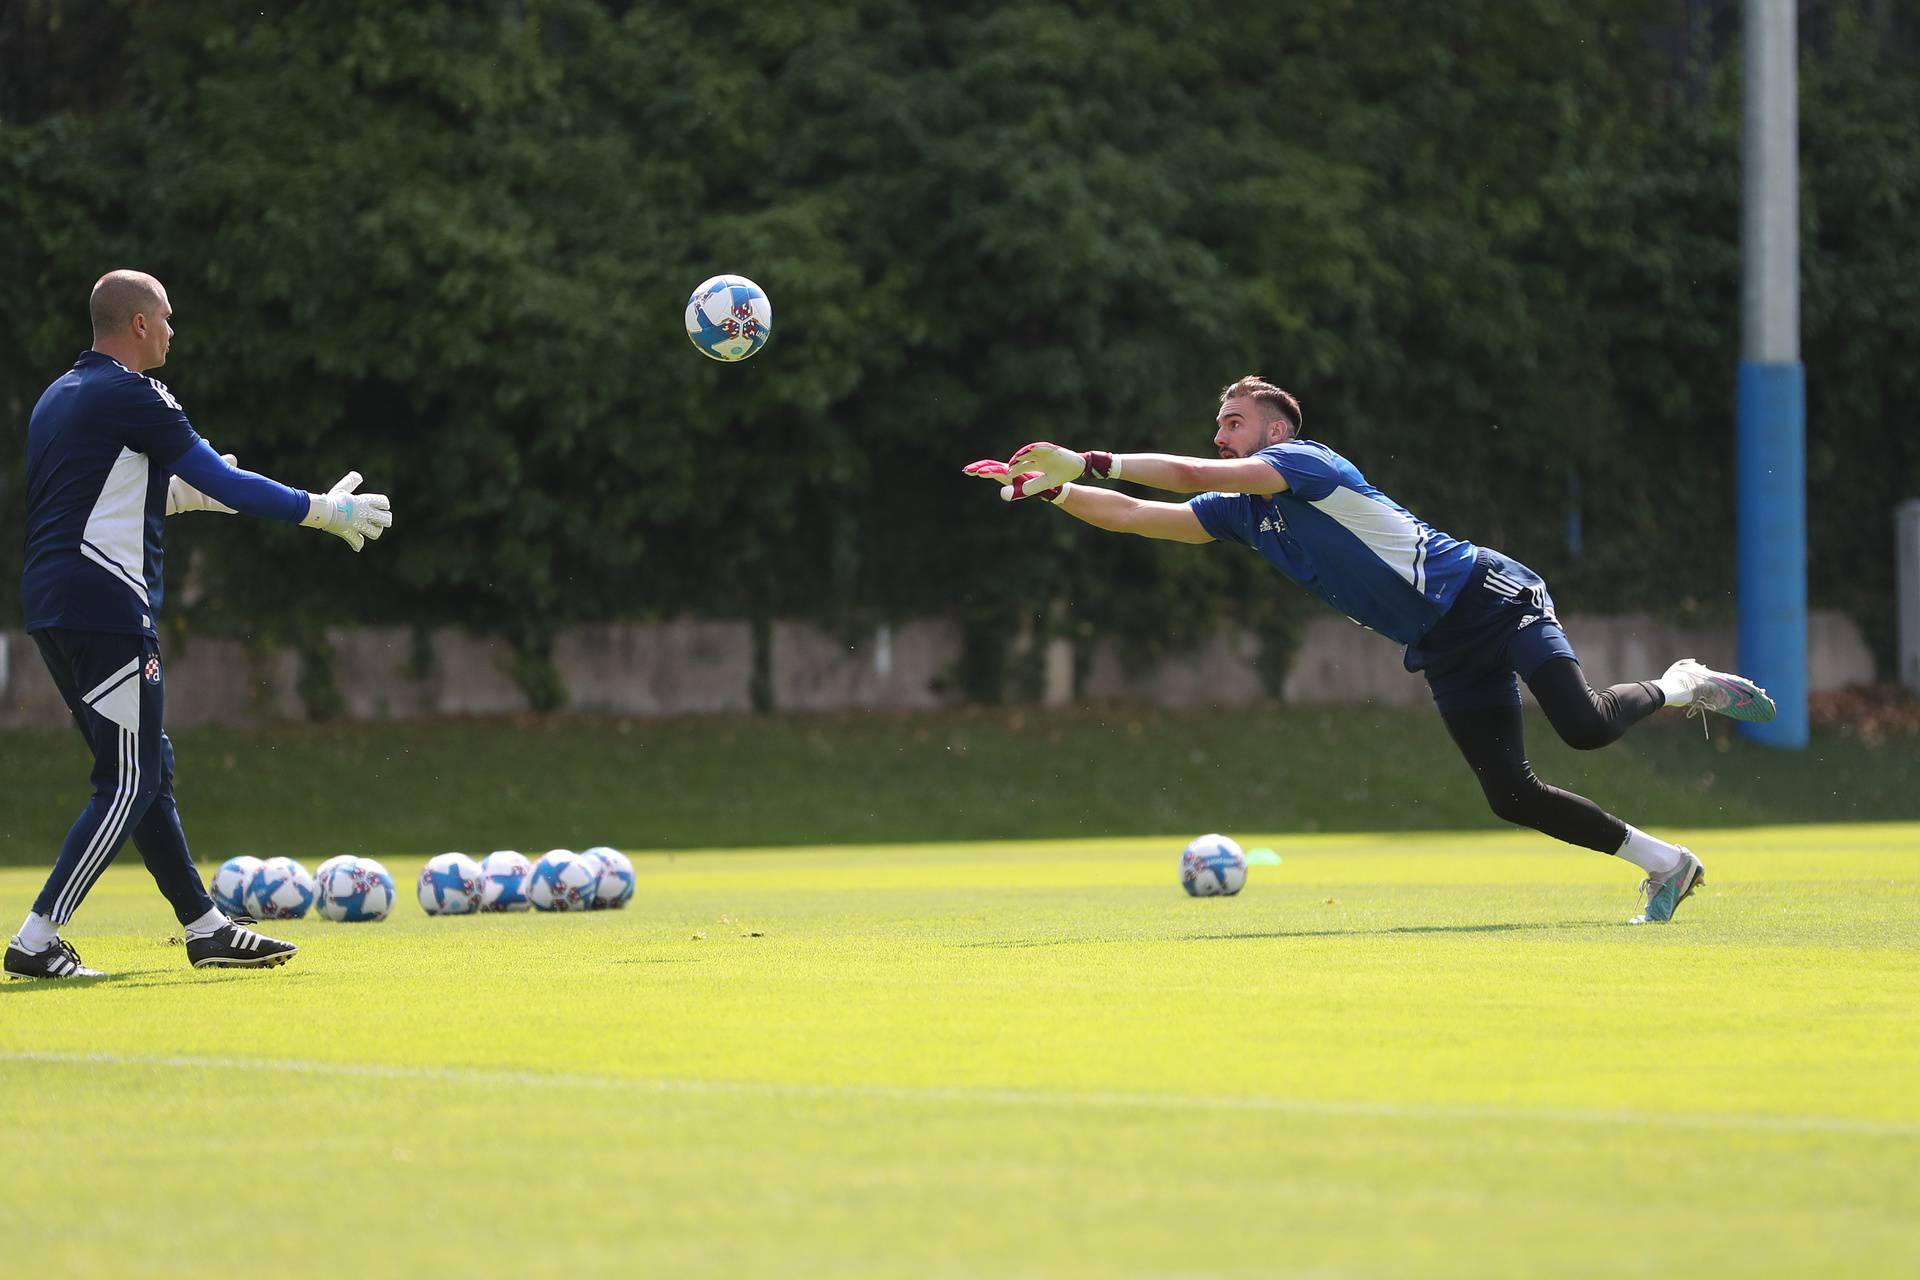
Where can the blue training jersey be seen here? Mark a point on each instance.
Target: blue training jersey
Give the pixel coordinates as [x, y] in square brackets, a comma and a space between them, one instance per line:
[100, 445]
[1344, 541]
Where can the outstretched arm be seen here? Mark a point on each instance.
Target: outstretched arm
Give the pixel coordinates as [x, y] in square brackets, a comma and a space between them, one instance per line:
[206, 481]
[1166, 471]
[1101, 508]
[1122, 513]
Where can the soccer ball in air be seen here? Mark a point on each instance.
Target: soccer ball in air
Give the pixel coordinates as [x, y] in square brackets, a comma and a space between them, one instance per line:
[450, 885]
[1212, 866]
[503, 881]
[279, 889]
[230, 883]
[354, 890]
[563, 881]
[616, 877]
[729, 318]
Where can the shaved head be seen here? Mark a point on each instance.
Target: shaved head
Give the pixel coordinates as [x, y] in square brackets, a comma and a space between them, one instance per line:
[119, 296]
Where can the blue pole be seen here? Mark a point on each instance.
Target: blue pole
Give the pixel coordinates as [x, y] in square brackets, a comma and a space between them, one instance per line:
[1771, 580]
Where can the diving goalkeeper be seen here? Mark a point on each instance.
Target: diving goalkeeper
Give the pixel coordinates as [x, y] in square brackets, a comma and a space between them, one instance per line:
[1472, 619]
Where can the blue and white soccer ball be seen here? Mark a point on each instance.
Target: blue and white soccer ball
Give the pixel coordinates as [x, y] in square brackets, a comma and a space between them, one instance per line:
[327, 865]
[279, 889]
[616, 877]
[230, 883]
[563, 881]
[450, 885]
[1213, 866]
[354, 890]
[503, 881]
[729, 318]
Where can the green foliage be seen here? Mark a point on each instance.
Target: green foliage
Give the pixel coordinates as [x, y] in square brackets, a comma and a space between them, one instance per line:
[448, 244]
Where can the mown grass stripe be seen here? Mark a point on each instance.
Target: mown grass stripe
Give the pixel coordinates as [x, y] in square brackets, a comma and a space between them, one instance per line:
[1092, 1099]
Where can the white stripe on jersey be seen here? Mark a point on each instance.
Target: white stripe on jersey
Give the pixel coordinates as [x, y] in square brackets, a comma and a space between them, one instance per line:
[116, 533]
[1390, 534]
[1501, 584]
[165, 394]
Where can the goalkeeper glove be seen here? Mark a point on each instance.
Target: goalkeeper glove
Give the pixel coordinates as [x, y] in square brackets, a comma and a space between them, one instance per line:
[1058, 465]
[182, 497]
[345, 514]
[1015, 487]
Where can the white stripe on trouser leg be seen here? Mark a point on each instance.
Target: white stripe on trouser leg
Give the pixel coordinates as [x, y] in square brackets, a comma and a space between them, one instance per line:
[110, 682]
[101, 847]
[105, 836]
[68, 898]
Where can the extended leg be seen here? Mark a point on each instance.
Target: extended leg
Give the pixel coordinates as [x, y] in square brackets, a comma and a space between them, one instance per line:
[1493, 740]
[1587, 718]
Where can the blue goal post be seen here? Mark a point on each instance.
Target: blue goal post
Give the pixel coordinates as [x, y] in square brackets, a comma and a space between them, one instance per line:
[1771, 576]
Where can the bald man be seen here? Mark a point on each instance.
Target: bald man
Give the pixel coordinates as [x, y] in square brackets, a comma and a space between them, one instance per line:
[110, 454]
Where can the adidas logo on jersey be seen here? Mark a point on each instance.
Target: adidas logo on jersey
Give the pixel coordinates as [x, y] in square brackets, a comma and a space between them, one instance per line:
[1273, 522]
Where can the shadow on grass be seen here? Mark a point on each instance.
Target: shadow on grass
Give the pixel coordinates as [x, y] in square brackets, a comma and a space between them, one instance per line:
[146, 978]
[1537, 926]
[15, 985]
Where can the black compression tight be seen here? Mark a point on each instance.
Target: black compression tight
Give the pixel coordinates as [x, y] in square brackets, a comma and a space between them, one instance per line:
[1493, 740]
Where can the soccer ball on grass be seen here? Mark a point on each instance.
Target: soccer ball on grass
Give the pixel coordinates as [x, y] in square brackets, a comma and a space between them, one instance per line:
[1212, 866]
[503, 881]
[279, 889]
[229, 886]
[450, 885]
[563, 881]
[616, 877]
[354, 890]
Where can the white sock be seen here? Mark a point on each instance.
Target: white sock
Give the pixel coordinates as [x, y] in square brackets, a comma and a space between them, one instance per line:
[1679, 692]
[37, 934]
[1656, 857]
[209, 924]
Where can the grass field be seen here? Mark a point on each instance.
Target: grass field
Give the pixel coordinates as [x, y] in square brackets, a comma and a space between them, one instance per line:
[1406, 1054]
[706, 781]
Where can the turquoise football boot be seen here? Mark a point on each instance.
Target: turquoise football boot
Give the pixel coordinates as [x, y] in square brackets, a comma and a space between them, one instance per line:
[1665, 896]
[1721, 692]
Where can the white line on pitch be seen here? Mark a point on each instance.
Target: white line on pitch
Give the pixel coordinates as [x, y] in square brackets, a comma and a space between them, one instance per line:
[1095, 1099]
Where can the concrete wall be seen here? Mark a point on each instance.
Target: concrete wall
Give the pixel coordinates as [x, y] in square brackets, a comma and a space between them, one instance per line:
[693, 667]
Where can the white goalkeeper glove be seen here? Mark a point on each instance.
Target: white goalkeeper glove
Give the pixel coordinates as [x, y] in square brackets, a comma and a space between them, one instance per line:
[182, 497]
[348, 515]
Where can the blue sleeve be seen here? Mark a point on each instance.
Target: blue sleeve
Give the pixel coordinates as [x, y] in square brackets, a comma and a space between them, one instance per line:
[1227, 516]
[151, 421]
[1311, 471]
[246, 492]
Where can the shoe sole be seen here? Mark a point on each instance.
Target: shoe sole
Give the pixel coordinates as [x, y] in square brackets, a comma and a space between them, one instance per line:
[275, 960]
[1757, 709]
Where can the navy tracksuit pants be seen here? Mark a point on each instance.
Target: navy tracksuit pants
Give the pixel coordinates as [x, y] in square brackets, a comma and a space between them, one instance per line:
[116, 690]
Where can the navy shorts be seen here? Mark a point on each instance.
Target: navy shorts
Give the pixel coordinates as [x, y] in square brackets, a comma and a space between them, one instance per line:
[1501, 626]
